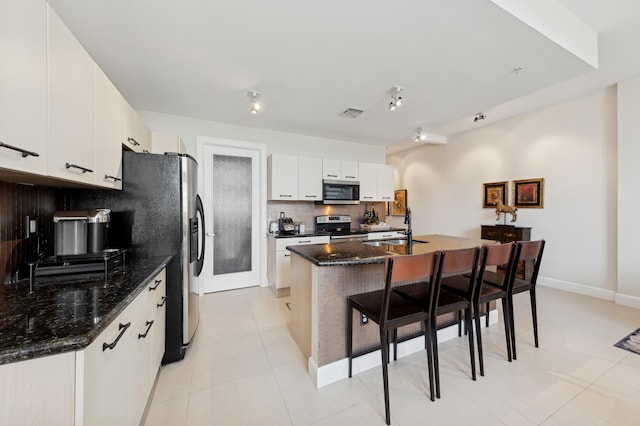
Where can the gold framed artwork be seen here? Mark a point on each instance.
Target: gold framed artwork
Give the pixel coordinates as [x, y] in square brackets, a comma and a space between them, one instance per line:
[528, 193]
[492, 192]
[398, 207]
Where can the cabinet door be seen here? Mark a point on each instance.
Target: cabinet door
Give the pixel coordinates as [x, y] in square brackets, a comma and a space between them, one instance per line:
[331, 169]
[159, 307]
[140, 367]
[349, 170]
[283, 268]
[108, 129]
[166, 142]
[106, 375]
[71, 153]
[385, 183]
[135, 134]
[368, 181]
[23, 84]
[310, 178]
[282, 175]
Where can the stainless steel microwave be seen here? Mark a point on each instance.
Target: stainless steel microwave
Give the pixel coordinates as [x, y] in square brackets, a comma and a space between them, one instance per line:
[340, 192]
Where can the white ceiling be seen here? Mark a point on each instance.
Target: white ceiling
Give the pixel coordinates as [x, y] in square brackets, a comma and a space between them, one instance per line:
[312, 60]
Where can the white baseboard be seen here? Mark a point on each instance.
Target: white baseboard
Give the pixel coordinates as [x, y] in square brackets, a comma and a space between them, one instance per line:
[577, 288]
[630, 301]
[599, 293]
[338, 370]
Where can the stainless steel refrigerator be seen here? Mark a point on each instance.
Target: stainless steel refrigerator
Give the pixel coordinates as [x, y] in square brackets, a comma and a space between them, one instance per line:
[159, 212]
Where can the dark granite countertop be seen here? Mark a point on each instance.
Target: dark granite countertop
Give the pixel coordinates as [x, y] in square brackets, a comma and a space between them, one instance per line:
[67, 316]
[360, 252]
[324, 234]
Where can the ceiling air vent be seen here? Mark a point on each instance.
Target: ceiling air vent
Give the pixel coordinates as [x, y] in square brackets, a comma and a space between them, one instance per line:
[351, 113]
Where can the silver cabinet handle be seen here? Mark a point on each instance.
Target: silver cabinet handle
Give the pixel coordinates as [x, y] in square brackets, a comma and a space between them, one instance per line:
[211, 234]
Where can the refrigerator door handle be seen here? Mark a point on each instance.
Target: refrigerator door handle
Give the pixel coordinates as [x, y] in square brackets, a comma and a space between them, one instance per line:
[202, 232]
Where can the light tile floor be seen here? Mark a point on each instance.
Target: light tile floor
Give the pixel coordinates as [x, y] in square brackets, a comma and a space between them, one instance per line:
[244, 369]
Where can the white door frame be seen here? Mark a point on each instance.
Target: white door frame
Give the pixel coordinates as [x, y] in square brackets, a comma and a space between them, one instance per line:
[201, 142]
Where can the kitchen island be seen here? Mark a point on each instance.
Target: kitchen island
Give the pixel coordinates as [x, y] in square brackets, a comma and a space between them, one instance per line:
[323, 275]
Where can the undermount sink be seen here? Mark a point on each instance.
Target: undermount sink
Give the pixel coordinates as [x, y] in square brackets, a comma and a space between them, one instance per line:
[398, 242]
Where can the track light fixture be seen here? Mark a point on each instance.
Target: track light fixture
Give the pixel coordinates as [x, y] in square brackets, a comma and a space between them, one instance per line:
[421, 135]
[396, 99]
[255, 101]
[479, 116]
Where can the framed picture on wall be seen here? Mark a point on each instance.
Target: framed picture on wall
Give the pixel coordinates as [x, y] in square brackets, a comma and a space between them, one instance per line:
[529, 193]
[492, 192]
[398, 207]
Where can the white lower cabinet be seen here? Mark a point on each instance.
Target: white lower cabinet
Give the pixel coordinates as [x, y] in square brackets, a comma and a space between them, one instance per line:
[115, 373]
[278, 259]
[385, 235]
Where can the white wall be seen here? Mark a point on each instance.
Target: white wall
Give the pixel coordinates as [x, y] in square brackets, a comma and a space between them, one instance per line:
[571, 145]
[628, 192]
[280, 142]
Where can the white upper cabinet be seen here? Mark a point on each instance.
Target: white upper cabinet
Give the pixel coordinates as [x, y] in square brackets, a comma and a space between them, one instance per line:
[282, 177]
[135, 134]
[339, 169]
[309, 179]
[385, 183]
[71, 95]
[109, 105]
[376, 182]
[167, 142]
[23, 85]
[350, 170]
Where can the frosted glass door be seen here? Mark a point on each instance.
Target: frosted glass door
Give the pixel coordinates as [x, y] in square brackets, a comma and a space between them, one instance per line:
[231, 199]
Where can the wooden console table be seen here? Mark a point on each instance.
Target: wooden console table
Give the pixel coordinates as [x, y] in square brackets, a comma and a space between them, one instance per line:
[506, 234]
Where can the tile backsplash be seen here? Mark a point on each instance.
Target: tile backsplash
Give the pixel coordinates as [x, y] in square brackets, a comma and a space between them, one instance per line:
[306, 212]
[16, 203]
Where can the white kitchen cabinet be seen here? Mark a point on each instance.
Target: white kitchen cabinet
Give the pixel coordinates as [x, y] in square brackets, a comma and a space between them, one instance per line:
[159, 305]
[339, 169]
[39, 391]
[136, 136]
[282, 177]
[23, 85]
[116, 372]
[105, 373]
[309, 179]
[71, 103]
[385, 183]
[167, 142]
[376, 182]
[385, 235]
[278, 259]
[109, 105]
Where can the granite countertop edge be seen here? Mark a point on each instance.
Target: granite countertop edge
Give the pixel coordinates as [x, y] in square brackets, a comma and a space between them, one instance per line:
[58, 345]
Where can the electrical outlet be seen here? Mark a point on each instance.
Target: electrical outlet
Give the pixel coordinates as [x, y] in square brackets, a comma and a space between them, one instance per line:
[364, 320]
[30, 227]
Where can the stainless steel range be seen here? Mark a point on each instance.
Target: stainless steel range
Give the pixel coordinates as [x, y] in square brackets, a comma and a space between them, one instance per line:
[338, 227]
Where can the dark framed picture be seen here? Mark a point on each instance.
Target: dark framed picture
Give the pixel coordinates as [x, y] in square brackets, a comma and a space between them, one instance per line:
[492, 192]
[528, 193]
[398, 207]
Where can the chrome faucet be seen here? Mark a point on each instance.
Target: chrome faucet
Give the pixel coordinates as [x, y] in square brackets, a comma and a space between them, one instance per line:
[407, 221]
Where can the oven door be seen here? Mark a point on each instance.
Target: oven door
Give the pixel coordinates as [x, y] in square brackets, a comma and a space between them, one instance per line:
[340, 192]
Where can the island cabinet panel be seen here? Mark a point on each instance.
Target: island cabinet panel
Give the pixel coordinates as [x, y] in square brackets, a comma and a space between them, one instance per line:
[40, 391]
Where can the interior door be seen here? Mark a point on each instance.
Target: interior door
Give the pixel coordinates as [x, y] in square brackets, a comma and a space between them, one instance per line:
[231, 198]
